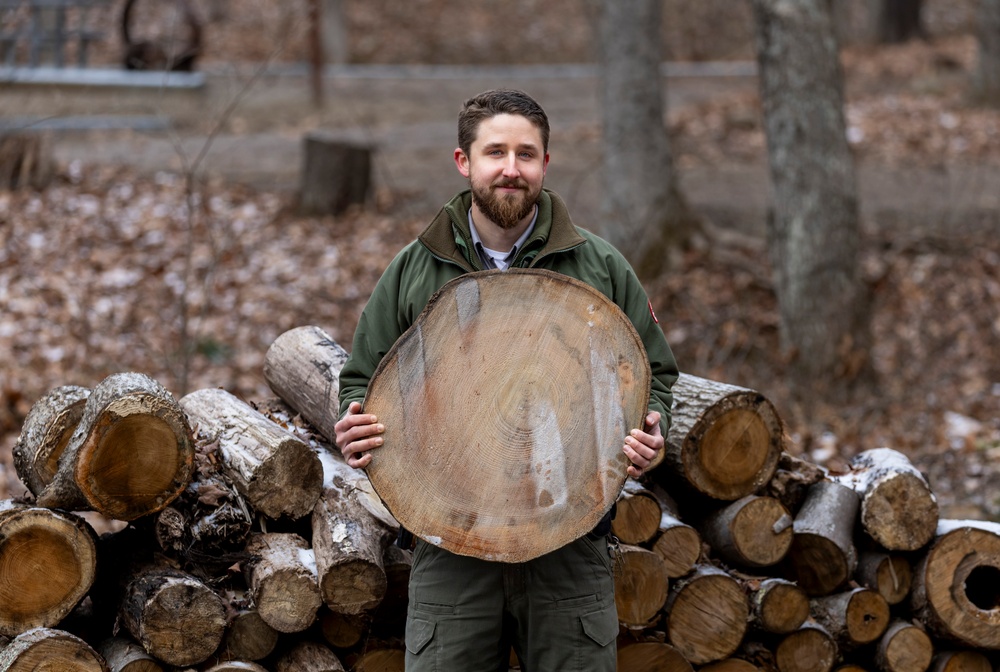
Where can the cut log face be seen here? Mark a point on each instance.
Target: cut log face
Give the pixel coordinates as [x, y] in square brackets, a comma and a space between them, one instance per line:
[705, 635]
[48, 562]
[778, 606]
[46, 649]
[808, 649]
[904, 647]
[960, 661]
[752, 531]
[47, 429]
[890, 574]
[640, 587]
[955, 584]
[282, 580]
[638, 513]
[505, 407]
[854, 617]
[652, 657]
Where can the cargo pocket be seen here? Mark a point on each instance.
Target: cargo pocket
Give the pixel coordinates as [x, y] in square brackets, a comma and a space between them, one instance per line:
[419, 634]
[601, 626]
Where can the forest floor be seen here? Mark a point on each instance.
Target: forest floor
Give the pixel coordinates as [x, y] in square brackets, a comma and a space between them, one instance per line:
[109, 268]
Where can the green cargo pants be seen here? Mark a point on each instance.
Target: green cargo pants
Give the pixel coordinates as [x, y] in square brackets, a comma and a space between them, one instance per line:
[557, 611]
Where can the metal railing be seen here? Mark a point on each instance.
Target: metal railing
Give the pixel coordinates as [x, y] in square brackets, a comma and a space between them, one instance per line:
[36, 33]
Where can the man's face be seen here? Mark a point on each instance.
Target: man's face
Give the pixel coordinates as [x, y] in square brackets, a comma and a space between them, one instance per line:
[506, 168]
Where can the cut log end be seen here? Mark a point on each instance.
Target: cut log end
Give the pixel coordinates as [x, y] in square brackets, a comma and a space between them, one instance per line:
[640, 587]
[44, 649]
[707, 635]
[901, 514]
[680, 547]
[353, 587]
[780, 607]
[817, 564]
[661, 657]
[808, 649]
[904, 648]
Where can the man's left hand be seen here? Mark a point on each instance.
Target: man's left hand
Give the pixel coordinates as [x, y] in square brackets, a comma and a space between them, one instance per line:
[642, 445]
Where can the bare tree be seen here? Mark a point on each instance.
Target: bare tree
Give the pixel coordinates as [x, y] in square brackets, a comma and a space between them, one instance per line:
[986, 85]
[814, 228]
[900, 20]
[646, 216]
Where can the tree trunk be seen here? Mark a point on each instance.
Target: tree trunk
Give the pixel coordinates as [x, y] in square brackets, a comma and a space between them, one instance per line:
[558, 400]
[890, 574]
[49, 562]
[46, 430]
[638, 514]
[853, 618]
[960, 661]
[808, 649]
[955, 584]
[678, 543]
[303, 366]
[649, 218]
[124, 655]
[900, 21]
[778, 606]
[898, 509]
[706, 634]
[751, 532]
[336, 173]
[48, 649]
[652, 657]
[904, 647]
[278, 473]
[130, 455]
[724, 440]
[26, 161]
[173, 615]
[823, 556]
[814, 228]
[281, 576]
[986, 81]
[640, 586]
[309, 657]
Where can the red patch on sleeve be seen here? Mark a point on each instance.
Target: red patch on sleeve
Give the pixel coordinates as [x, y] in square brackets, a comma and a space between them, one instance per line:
[650, 304]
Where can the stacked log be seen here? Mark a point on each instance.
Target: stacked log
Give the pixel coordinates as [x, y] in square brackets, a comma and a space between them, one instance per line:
[250, 545]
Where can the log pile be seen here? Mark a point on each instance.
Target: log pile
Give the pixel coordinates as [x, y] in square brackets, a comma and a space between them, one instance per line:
[246, 543]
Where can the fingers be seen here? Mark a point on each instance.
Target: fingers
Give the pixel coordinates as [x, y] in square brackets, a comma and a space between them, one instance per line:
[641, 447]
[357, 433]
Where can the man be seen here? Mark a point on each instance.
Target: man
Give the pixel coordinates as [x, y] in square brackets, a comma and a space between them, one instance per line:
[558, 610]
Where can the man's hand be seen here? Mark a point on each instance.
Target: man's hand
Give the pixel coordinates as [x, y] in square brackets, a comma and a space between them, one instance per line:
[641, 446]
[358, 433]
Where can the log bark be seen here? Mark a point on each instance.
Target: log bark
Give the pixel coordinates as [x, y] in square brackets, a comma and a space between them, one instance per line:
[678, 543]
[898, 509]
[281, 576]
[125, 655]
[130, 455]
[48, 563]
[823, 556]
[791, 481]
[173, 615]
[638, 514]
[652, 657]
[955, 584]
[278, 473]
[808, 649]
[960, 661]
[641, 586]
[336, 174]
[309, 656]
[558, 399]
[46, 430]
[705, 635]
[724, 440]
[853, 617]
[778, 606]
[905, 647]
[753, 531]
[891, 574]
[303, 366]
[247, 636]
[49, 649]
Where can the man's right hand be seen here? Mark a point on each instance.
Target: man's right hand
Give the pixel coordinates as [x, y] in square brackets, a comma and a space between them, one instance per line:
[358, 433]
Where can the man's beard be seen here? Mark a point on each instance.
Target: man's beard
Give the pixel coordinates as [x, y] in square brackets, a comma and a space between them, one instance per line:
[504, 210]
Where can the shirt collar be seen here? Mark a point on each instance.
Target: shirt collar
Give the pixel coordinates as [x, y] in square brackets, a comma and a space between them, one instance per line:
[484, 256]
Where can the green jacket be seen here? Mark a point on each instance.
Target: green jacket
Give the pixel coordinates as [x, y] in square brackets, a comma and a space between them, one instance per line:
[444, 252]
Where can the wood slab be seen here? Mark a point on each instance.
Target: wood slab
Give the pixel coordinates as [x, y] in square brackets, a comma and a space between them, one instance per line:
[505, 407]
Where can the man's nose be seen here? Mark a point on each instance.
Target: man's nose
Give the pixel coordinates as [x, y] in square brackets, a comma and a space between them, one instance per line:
[510, 166]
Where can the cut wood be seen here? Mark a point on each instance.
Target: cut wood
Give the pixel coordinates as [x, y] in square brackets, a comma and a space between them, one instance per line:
[303, 366]
[278, 474]
[237, 666]
[778, 606]
[651, 657]
[48, 562]
[41, 649]
[544, 463]
[791, 481]
[343, 631]
[808, 649]
[854, 617]
[380, 660]
[730, 665]
[898, 509]
[891, 574]
[678, 543]
[955, 584]
[247, 636]
[125, 655]
[905, 647]
[724, 440]
[638, 514]
[823, 556]
[705, 634]
[281, 577]
[960, 661]
[308, 656]
[46, 430]
[641, 586]
[753, 531]
[174, 616]
[130, 455]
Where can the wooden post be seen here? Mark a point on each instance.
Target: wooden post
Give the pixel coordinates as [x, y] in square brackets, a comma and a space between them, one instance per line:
[336, 174]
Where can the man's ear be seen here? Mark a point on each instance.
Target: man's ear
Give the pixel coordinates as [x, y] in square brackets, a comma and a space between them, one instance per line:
[461, 161]
[545, 165]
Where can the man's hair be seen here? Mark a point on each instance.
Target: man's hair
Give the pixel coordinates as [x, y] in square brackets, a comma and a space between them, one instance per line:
[499, 101]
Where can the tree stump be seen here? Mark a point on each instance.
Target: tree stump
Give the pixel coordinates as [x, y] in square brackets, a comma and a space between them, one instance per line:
[336, 174]
[701, 633]
[544, 462]
[48, 562]
[48, 649]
